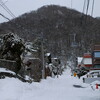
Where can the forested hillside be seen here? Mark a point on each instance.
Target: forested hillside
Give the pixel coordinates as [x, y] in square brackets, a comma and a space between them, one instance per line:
[60, 28]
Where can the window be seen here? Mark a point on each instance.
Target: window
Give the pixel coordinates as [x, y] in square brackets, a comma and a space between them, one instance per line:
[97, 54]
[87, 61]
[97, 66]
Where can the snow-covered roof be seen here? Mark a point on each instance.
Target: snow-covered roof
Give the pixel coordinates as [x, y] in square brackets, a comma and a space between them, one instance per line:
[47, 54]
[79, 59]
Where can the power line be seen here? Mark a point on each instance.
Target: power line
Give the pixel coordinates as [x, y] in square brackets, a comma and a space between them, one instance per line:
[83, 12]
[3, 4]
[88, 2]
[84, 6]
[7, 9]
[92, 8]
[4, 17]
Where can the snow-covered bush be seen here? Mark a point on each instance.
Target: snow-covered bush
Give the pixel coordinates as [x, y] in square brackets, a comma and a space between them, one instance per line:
[12, 48]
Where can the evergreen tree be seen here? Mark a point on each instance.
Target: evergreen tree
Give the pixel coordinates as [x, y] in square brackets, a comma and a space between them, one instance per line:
[12, 48]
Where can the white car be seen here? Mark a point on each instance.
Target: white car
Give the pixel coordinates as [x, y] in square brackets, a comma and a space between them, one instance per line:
[92, 73]
[91, 76]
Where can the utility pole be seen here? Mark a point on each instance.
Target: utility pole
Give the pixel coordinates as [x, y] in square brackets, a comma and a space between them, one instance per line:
[42, 50]
[73, 46]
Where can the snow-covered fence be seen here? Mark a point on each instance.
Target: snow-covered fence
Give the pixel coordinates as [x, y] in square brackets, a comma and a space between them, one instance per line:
[9, 64]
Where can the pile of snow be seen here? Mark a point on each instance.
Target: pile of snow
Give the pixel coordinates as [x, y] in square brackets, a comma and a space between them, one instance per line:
[47, 54]
[6, 70]
[60, 88]
[29, 46]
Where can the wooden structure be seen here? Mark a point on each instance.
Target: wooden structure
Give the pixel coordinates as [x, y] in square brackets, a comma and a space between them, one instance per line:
[96, 57]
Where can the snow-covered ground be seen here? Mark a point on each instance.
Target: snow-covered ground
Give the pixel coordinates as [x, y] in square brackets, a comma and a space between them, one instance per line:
[50, 89]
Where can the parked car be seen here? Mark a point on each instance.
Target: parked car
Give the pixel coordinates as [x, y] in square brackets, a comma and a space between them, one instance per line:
[91, 76]
[92, 73]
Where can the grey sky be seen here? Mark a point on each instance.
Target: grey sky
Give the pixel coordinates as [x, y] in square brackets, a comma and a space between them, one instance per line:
[19, 7]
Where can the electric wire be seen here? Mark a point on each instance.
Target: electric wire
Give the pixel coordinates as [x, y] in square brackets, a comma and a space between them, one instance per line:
[11, 14]
[3, 4]
[84, 6]
[4, 17]
[92, 8]
[7, 9]
[88, 2]
[83, 12]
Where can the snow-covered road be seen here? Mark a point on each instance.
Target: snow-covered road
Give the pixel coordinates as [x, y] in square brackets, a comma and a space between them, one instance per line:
[50, 89]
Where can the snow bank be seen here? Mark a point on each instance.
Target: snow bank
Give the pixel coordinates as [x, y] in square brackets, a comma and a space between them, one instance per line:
[6, 70]
[50, 89]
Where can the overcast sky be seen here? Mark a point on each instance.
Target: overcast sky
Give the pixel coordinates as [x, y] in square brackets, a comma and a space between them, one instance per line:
[19, 7]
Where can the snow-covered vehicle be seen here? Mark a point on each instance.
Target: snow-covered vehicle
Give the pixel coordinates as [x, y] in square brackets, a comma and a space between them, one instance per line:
[91, 76]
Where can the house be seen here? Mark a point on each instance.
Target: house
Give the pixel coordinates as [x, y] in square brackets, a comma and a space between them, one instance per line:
[96, 57]
[86, 61]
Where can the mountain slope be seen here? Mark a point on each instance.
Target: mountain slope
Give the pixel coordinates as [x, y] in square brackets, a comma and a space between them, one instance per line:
[58, 25]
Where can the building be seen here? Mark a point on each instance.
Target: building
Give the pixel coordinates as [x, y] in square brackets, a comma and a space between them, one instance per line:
[96, 57]
[87, 61]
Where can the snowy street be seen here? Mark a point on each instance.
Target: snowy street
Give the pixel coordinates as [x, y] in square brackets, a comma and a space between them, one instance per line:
[49, 50]
[50, 89]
